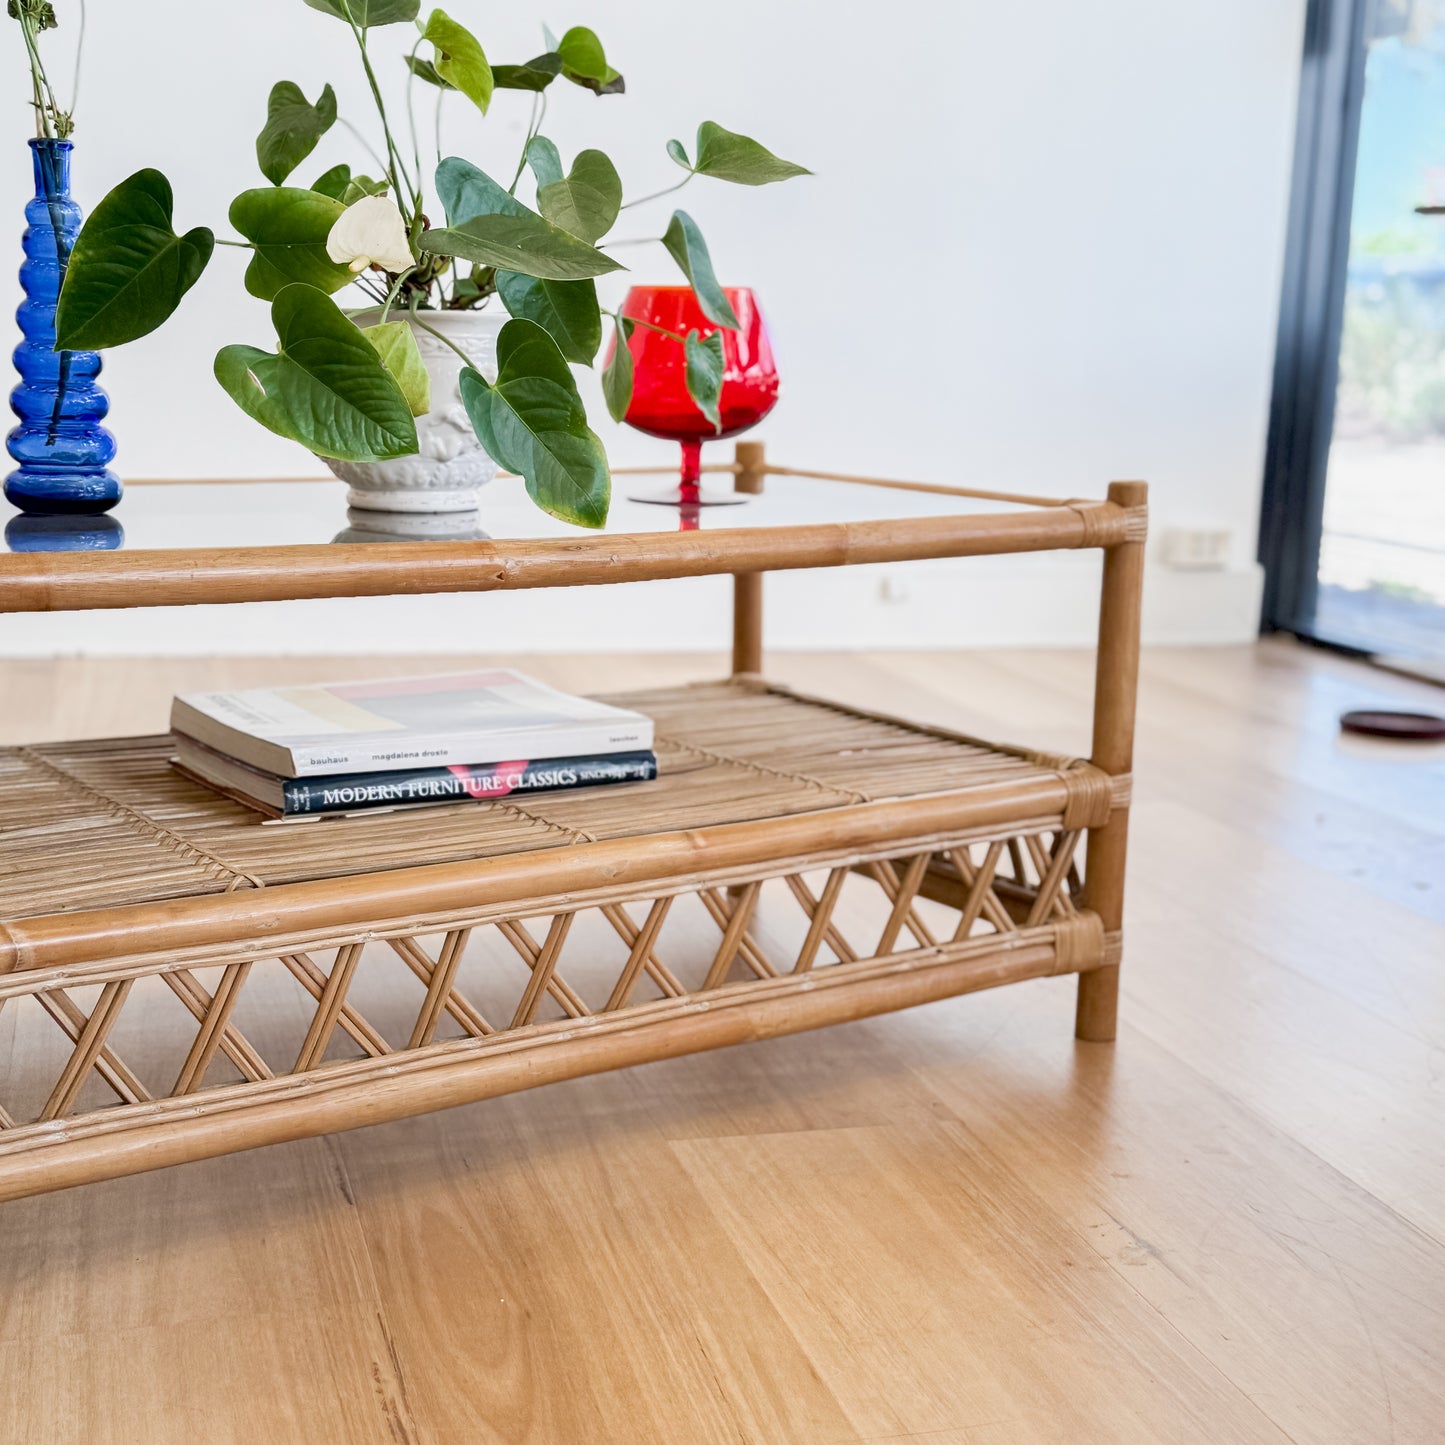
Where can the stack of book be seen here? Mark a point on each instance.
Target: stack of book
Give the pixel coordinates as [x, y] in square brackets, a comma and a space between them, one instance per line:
[350, 747]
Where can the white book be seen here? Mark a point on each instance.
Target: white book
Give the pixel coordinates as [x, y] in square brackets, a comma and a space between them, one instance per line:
[451, 719]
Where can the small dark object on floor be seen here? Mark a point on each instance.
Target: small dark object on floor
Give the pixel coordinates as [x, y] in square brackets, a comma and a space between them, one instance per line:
[1403, 726]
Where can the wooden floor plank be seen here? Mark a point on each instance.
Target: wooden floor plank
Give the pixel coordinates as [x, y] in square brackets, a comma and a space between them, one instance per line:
[1320, 1303]
[934, 1293]
[302, 1376]
[553, 1275]
[229, 1238]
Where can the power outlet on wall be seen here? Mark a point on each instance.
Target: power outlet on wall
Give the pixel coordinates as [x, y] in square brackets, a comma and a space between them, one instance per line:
[1196, 549]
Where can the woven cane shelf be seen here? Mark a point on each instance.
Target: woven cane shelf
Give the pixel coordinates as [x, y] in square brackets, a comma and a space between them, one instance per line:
[183, 981]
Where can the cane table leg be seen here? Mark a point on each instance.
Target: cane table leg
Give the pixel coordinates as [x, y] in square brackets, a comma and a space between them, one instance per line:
[748, 586]
[1115, 690]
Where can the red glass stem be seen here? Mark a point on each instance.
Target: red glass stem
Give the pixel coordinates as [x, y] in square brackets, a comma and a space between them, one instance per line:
[691, 470]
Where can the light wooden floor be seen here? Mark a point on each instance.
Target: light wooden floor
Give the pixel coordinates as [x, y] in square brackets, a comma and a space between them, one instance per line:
[953, 1225]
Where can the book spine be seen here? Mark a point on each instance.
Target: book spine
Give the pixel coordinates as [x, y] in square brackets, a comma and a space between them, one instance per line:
[589, 739]
[354, 792]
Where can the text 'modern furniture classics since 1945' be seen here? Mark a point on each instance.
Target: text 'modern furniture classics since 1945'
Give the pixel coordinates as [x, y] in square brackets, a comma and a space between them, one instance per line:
[840, 863]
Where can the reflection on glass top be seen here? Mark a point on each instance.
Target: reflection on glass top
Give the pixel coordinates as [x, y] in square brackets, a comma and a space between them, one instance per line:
[275, 514]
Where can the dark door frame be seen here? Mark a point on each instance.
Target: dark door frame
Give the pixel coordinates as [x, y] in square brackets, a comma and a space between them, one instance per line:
[1312, 304]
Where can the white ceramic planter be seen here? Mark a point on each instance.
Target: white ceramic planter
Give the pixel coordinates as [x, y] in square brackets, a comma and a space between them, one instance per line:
[449, 468]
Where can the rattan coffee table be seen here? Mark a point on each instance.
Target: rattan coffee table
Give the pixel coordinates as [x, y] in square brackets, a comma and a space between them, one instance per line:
[290, 981]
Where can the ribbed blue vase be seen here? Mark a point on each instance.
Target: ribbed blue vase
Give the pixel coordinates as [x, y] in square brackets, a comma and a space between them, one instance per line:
[62, 450]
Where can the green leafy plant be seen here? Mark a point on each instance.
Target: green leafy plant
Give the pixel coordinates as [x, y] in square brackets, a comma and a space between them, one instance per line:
[352, 393]
[35, 16]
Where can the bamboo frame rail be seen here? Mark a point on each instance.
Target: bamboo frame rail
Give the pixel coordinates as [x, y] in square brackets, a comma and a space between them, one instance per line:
[66, 581]
[847, 863]
[938, 489]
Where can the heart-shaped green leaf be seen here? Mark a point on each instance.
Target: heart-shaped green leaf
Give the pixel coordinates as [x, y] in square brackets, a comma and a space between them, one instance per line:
[584, 63]
[535, 75]
[479, 282]
[545, 160]
[685, 244]
[288, 228]
[586, 201]
[523, 243]
[334, 182]
[293, 126]
[704, 373]
[369, 12]
[678, 152]
[532, 422]
[492, 228]
[425, 70]
[341, 185]
[395, 344]
[738, 158]
[326, 387]
[566, 310]
[617, 374]
[466, 192]
[359, 186]
[128, 269]
[460, 61]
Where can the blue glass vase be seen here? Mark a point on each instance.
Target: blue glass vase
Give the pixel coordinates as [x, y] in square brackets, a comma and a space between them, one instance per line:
[62, 450]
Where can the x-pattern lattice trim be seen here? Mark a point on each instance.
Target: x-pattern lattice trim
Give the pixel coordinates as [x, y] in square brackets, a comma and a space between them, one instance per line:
[1017, 882]
[236, 1047]
[453, 1001]
[88, 1046]
[212, 1032]
[62, 1008]
[820, 914]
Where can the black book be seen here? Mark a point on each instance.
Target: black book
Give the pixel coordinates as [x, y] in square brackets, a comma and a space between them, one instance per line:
[314, 797]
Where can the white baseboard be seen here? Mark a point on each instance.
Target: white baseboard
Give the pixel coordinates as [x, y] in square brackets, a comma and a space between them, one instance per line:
[985, 602]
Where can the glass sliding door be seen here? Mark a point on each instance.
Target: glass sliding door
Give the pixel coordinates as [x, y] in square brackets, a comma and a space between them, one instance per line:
[1354, 528]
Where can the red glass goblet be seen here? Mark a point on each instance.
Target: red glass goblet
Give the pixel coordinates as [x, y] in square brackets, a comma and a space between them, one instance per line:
[661, 405]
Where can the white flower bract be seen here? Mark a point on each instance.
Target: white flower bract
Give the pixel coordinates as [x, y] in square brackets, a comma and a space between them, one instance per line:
[370, 232]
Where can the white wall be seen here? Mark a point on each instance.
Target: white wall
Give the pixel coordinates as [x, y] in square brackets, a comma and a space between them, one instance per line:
[1042, 248]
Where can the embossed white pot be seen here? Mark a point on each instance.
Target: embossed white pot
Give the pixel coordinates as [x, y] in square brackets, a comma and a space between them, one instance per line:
[449, 468]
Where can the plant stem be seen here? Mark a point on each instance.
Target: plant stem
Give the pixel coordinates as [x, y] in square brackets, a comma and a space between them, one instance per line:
[366, 284]
[534, 129]
[79, 51]
[411, 111]
[370, 149]
[244, 245]
[667, 191]
[38, 102]
[394, 293]
[650, 325]
[39, 85]
[398, 171]
[445, 340]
